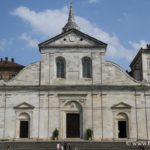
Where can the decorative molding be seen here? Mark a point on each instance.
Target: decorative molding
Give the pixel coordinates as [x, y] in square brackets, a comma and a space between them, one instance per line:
[72, 99]
[24, 106]
[42, 94]
[137, 94]
[72, 95]
[81, 100]
[104, 94]
[97, 43]
[63, 101]
[73, 87]
[51, 94]
[121, 106]
[8, 94]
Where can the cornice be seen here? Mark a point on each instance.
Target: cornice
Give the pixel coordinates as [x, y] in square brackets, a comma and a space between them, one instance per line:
[62, 88]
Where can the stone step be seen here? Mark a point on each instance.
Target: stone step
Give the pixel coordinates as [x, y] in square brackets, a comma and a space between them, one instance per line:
[80, 145]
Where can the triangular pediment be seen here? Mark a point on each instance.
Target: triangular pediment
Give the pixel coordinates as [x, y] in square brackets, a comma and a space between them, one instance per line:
[24, 106]
[121, 106]
[73, 38]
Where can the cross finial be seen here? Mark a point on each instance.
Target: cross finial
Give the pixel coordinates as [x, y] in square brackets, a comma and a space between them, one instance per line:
[71, 20]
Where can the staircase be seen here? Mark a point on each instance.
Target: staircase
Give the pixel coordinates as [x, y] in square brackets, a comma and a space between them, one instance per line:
[81, 145]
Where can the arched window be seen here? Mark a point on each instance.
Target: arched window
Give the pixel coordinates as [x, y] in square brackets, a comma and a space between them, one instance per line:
[87, 67]
[61, 67]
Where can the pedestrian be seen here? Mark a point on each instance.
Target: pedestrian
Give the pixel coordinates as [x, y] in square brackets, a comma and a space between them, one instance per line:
[141, 148]
[69, 146]
[58, 146]
[62, 148]
[75, 148]
[65, 146]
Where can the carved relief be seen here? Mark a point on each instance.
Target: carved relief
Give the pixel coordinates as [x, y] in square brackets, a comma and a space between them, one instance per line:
[73, 106]
[67, 98]
[63, 101]
[81, 100]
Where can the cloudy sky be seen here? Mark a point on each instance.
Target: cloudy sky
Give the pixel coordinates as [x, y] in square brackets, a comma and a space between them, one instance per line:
[122, 24]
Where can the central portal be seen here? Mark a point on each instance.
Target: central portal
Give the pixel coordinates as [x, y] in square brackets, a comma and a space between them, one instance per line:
[73, 125]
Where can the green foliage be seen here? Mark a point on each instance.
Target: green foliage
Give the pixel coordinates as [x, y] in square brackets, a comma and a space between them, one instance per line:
[55, 133]
[89, 134]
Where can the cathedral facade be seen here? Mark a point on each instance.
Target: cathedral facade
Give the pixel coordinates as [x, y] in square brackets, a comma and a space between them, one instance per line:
[74, 88]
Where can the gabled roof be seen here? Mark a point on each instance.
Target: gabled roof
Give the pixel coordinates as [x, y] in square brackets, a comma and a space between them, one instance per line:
[98, 44]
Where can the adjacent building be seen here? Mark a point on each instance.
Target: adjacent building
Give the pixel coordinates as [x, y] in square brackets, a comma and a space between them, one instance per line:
[9, 68]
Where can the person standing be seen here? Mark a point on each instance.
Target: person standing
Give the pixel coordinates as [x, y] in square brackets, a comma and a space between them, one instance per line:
[65, 146]
[62, 147]
[58, 146]
[75, 148]
[69, 146]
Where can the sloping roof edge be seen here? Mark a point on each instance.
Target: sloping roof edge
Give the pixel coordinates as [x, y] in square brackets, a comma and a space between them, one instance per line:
[42, 45]
[138, 54]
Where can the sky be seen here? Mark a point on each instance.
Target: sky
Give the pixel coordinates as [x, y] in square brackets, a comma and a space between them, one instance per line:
[122, 24]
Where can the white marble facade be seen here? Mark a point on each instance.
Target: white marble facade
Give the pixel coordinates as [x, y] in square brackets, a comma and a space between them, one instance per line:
[37, 96]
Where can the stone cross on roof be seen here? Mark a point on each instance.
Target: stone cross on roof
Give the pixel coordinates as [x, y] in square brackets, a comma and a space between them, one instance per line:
[71, 24]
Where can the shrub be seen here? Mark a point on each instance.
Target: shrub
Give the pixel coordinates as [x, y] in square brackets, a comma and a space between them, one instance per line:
[89, 134]
[55, 133]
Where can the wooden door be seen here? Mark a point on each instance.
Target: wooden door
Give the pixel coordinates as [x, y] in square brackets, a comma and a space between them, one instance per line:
[73, 125]
[24, 129]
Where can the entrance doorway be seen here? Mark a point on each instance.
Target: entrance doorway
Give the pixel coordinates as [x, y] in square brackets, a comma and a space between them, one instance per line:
[122, 128]
[23, 126]
[24, 129]
[73, 125]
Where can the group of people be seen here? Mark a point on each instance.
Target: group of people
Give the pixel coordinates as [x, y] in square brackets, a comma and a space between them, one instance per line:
[65, 146]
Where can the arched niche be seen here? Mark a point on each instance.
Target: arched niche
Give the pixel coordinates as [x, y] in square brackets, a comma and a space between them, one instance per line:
[23, 125]
[24, 116]
[122, 125]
